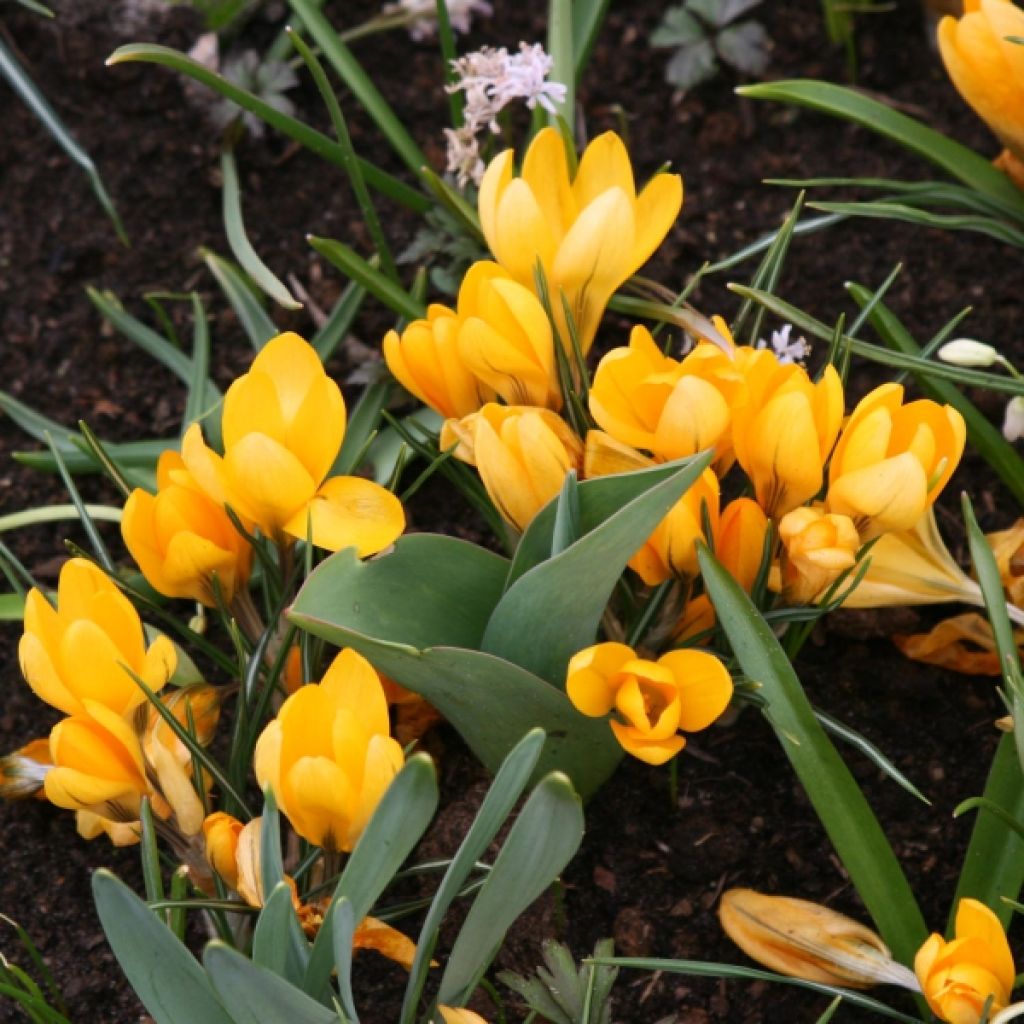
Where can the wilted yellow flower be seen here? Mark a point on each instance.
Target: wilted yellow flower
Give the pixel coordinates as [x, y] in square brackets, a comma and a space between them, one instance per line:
[522, 454]
[987, 68]
[221, 834]
[78, 653]
[283, 425]
[181, 539]
[958, 978]
[784, 427]
[739, 540]
[97, 764]
[121, 833]
[892, 460]
[328, 755]
[681, 690]
[671, 550]
[22, 772]
[817, 547]
[589, 235]
[809, 941]
[672, 409]
[1008, 547]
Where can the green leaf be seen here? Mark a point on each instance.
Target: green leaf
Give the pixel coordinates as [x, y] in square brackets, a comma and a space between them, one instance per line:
[587, 18]
[542, 841]
[256, 995]
[164, 974]
[704, 969]
[837, 800]
[692, 64]
[251, 315]
[554, 610]
[508, 785]
[343, 932]
[353, 266]
[57, 514]
[362, 425]
[21, 82]
[302, 133]
[340, 321]
[278, 943]
[958, 161]
[339, 56]
[12, 607]
[744, 47]
[563, 66]
[398, 823]
[678, 28]
[241, 247]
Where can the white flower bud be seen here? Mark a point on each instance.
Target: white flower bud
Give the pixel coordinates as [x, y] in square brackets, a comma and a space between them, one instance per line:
[966, 352]
[1013, 419]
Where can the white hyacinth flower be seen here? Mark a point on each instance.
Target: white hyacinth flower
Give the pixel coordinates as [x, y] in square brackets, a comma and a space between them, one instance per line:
[422, 15]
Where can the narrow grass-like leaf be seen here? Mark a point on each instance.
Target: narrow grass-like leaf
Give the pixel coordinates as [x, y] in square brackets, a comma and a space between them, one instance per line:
[446, 42]
[241, 247]
[397, 824]
[453, 201]
[351, 162]
[38, 963]
[340, 58]
[341, 318]
[563, 67]
[705, 969]
[195, 401]
[95, 540]
[956, 160]
[57, 514]
[12, 607]
[508, 785]
[151, 875]
[251, 315]
[271, 859]
[164, 974]
[986, 438]
[256, 995]
[837, 800]
[302, 133]
[21, 82]
[353, 266]
[993, 867]
[362, 425]
[343, 922]
[587, 18]
[95, 447]
[808, 324]
[545, 836]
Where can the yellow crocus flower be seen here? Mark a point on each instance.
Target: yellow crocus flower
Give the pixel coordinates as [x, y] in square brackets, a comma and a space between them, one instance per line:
[809, 941]
[521, 453]
[589, 233]
[221, 833]
[684, 689]
[739, 540]
[892, 460]
[283, 425]
[817, 547]
[181, 539]
[79, 651]
[328, 755]
[784, 427]
[670, 408]
[959, 978]
[987, 68]
[460, 1015]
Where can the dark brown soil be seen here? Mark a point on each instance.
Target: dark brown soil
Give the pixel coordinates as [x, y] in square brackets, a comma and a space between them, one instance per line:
[649, 873]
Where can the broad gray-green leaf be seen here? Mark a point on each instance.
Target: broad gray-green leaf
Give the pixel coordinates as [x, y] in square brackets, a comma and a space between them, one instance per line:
[542, 841]
[429, 590]
[678, 28]
[164, 974]
[692, 64]
[744, 47]
[258, 996]
[554, 609]
[278, 943]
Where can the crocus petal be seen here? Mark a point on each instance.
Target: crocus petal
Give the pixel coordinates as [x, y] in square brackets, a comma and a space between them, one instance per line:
[604, 165]
[650, 751]
[704, 685]
[349, 511]
[319, 801]
[590, 682]
[495, 180]
[656, 210]
[523, 236]
[268, 481]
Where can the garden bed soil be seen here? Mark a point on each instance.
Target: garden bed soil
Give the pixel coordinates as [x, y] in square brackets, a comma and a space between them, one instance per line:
[651, 869]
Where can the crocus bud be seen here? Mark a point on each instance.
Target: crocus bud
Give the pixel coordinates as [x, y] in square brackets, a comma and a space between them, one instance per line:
[959, 978]
[505, 338]
[739, 540]
[221, 832]
[983, 62]
[283, 425]
[892, 460]
[328, 755]
[809, 941]
[965, 352]
[182, 540]
[425, 360]
[522, 454]
[1013, 419]
[671, 550]
[683, 689]
[460, 1015]
[671, 409]
[97, 765]
[79, 652]
[589, 233]
[817, 548]
[784, 427]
